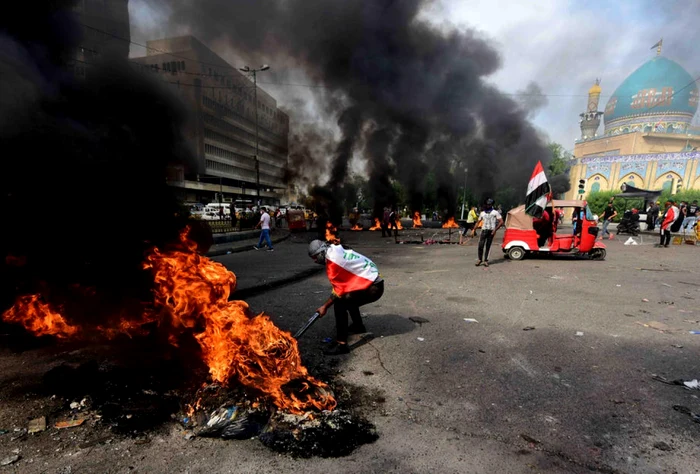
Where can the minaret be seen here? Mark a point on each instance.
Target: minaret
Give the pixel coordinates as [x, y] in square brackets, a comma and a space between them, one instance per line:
[590, 120]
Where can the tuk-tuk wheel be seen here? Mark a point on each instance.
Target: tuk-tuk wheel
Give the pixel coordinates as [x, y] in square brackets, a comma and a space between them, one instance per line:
[598, 254]
[516, 253]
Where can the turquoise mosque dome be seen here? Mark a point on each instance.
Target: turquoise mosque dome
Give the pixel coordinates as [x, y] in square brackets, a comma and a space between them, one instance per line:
[659, 96]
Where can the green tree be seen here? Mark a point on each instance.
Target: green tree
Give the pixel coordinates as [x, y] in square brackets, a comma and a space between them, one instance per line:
[560, 159]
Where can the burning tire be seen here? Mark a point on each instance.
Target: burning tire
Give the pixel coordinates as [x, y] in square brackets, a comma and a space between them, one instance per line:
[516, 253]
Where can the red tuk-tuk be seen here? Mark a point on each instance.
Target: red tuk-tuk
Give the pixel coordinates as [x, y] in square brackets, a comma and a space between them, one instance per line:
[296, 220]
[527, 235]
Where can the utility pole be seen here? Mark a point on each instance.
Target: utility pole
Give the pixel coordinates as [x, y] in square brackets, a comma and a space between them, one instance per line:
[254, 72]
[464, 193]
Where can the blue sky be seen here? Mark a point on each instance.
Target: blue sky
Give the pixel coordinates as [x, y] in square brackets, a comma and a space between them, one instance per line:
[560, 45]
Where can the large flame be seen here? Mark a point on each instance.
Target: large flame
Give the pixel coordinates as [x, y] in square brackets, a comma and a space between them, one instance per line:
[331, 233]
[450, 224]
[398, 224]
[416, 220]
[377, 225]
[38, 317]
[191, 294]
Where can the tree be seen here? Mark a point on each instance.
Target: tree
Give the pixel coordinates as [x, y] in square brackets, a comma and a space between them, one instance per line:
[560, 159]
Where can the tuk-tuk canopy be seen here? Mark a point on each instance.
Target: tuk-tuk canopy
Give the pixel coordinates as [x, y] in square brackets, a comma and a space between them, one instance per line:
[518, 219]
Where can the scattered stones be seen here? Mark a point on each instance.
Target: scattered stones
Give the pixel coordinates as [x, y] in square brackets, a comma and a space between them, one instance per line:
[37, 425]
[663, 446]
[10, 460]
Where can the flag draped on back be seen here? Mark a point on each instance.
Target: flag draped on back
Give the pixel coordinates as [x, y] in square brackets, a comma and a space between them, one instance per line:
[538, 192]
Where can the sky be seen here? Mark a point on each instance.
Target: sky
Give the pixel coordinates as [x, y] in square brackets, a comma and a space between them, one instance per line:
[560, 45]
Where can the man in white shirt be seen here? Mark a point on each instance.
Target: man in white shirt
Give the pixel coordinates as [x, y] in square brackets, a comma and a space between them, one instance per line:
[492, 221]
[264, 224]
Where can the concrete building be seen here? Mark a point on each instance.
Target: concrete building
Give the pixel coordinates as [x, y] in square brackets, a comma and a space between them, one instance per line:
[648, 140]
[104, 28]
[222, 128]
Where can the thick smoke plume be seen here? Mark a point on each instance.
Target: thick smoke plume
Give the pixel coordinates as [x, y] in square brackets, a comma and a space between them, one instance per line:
[408, 96]
[83, 182]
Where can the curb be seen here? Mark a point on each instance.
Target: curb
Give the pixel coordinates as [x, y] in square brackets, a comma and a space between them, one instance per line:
[257, 289]
[227, 251]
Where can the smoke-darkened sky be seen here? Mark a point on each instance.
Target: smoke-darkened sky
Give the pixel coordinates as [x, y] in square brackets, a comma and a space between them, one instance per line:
[562, 45]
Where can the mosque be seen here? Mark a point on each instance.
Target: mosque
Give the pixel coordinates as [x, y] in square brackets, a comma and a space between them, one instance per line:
[648, 140]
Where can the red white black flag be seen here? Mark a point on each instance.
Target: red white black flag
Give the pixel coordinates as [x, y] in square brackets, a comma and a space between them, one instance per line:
[538, 192]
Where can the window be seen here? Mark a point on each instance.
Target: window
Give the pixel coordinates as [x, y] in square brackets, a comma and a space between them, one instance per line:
[668, 185]
[595, 188]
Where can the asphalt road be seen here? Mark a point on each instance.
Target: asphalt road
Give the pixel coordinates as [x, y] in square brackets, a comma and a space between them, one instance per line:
[452, 396]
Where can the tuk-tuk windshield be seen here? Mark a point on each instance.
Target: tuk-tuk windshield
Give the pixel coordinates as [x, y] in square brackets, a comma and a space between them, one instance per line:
[589, 214]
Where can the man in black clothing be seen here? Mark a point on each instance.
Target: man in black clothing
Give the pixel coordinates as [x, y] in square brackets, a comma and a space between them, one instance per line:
[608, 215]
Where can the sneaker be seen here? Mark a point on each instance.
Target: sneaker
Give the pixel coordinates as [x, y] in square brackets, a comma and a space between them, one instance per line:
[270, 250]
[353, 329]
[256, 247]
[486, 263]
[477, 263]
[337, 349]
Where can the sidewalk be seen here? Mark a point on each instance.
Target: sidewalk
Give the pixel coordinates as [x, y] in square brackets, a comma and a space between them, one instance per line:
[245, 240]
[261, 271]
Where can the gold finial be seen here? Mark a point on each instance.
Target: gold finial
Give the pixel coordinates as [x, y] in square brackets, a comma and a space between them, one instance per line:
[658, 46]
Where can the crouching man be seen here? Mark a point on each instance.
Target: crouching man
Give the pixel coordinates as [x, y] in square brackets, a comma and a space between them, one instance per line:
[356, 282]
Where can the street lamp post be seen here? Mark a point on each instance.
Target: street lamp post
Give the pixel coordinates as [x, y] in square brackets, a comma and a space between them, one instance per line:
[464, 192]
[255, 72]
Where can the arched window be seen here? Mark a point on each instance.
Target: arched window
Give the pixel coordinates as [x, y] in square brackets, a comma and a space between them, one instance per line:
[668, 185]
[647, 129]
[595, 187]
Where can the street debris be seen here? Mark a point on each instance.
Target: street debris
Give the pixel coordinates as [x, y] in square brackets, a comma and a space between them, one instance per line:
[579, 333]
[10, 460]
[646, 300]
[694, 331]
[69, 423]
[232, 422]
[326, 340]
[74, 405]
[686, 411]
[418, 320]
[663, 446]
[677, 346]
[471, 320]
[421, 339]
[2, 432]
[529, 439]
[692, 384]
[37, 425]
[529, 328]
[631, 241]
[661, 327]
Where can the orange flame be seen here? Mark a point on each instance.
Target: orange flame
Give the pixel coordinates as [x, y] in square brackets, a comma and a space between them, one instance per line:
[331, 232]
[398, 224]
[191, 294]
[356, 227]
[450, 224]
[38, 318]
[416, 220]
[377, 225]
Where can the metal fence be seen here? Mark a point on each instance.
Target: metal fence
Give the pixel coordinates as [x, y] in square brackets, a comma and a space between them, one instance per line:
[221, 226]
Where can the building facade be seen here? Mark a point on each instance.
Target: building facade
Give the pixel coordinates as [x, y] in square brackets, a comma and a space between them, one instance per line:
[104, 29]
[648, 140]
[241, 153]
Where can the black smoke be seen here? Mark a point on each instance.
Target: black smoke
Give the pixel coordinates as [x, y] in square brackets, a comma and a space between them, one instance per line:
[83, 182]
[414, 94]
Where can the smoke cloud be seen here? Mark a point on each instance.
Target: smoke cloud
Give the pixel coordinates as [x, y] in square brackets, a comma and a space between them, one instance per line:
[409, 97]
[83, 182]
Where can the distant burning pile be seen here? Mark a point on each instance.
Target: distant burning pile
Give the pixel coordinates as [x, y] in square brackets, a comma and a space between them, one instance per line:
[332, 233]
[377, 225]
[450, 224]
[357, 227]
[416, 220]
[191, 295]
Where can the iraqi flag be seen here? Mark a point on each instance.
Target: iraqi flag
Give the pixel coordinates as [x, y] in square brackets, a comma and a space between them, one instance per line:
[538, 192]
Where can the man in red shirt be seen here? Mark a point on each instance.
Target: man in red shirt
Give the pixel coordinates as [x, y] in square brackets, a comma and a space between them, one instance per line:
[670, 216]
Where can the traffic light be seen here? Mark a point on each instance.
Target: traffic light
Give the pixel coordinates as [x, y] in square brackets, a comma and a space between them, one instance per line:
[581, 186]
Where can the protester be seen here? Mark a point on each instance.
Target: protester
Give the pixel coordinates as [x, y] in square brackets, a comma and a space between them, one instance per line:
[670, 216]
[385, 223]
[491, 221]
[356, 282]
[234, 218]
[608, 215]
[264, 225]
[543, 227]
[393, 217]
[652, 215]
[690, 217]
[472, 217]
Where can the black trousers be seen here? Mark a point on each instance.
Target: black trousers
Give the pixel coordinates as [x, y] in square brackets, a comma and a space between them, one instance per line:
[485, 240]
[665, 237]
[350, 303]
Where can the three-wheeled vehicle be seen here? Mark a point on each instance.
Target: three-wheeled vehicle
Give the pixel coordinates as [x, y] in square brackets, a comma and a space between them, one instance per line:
[527, 235]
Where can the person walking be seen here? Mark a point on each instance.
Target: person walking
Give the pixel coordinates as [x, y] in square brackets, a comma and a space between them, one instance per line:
[472, 217]
[356, 282]
[491, 221]
[264, 225]
[608, 215]
[385, 223]
[670, 216]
